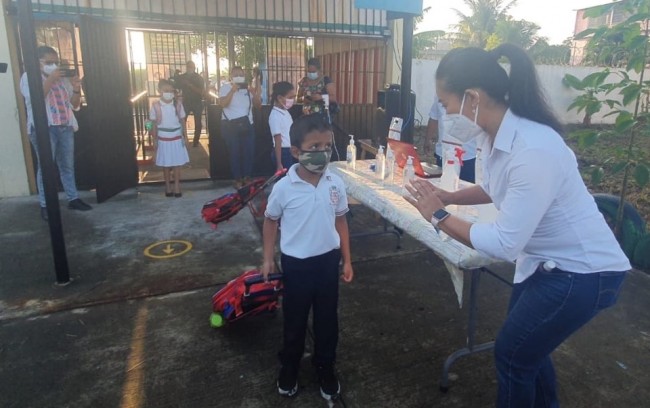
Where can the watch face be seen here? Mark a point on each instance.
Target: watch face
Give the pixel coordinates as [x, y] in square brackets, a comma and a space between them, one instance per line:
[440, 214]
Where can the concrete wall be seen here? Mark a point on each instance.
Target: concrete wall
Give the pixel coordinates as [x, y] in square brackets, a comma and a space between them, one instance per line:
[550, 76]
[13, 166]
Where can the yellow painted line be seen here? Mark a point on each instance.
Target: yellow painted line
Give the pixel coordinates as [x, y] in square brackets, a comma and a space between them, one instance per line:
[168, 249]
[133, 390]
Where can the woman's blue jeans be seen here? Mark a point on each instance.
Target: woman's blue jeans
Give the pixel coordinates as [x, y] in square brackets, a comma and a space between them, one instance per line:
[544, 310]
[241, 149]
[62, 142]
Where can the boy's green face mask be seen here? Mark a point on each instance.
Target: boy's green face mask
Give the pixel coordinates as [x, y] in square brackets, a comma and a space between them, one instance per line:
[314, 161]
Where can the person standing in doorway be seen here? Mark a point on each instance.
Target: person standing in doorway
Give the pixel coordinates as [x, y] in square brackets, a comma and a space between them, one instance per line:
[169, 136]
[193, 87]
[62, 97]
[237, 100]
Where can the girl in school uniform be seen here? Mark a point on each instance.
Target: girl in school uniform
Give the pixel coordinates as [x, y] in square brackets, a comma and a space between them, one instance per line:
[169, 139]
[280, 122]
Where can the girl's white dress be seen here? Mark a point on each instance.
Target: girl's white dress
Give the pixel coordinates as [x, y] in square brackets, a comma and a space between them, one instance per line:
[170, 153]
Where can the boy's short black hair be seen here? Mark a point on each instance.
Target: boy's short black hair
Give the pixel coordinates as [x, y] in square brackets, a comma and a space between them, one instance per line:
[305, 125]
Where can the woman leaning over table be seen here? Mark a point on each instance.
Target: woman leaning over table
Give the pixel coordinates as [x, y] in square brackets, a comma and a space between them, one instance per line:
[568, 263]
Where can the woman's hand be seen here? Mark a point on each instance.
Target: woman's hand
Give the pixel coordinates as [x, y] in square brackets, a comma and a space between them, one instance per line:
[425, 197]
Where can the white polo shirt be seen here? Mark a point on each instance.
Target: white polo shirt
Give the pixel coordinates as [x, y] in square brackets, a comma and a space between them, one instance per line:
[437, 113]
[545, 210]
[240, 105]
[280, 122]
[308, 213]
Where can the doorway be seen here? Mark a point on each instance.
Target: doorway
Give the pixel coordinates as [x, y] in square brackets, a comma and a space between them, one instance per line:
[156, 55]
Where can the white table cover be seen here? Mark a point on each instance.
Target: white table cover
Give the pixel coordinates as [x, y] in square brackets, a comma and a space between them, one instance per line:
[387, 199]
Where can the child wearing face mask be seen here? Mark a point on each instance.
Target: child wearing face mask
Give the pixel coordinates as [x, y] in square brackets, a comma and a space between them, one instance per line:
[169, 139]
[312, 204]
[280, 122]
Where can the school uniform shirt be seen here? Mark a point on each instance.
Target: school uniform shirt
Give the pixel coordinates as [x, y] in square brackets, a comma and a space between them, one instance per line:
[307, 213]
[240, 105]
[280, 122]
[545, 210]
[65, 89]
[437, 113]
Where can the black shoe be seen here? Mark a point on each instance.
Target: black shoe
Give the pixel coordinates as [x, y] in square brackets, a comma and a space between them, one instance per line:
[177, 195]
[44, 214]
[77, 204]
[169, 194]
[329, 384]
[288, 381]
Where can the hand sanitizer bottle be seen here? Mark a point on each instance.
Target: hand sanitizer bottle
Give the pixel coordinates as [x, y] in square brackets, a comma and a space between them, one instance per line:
[380, 167]
[390, 165]
[351, 154]
[409, 174]
[450, 171]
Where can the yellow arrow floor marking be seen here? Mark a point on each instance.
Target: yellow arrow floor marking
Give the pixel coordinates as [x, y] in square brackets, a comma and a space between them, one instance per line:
[167, 249]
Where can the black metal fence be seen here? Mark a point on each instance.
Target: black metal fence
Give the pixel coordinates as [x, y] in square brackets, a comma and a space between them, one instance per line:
[288, 16]
[272, 38]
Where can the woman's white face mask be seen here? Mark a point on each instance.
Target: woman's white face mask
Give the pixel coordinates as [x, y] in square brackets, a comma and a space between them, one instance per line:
[460, 127]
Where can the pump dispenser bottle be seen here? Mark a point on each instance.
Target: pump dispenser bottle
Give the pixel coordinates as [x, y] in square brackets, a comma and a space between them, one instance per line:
[351, 154]
[408, 175]
[380, 166]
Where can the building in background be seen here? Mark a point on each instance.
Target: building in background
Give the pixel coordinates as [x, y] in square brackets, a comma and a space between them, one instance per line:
[615, 16]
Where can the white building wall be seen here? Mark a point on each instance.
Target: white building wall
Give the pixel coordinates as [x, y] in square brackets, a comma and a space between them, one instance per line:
[550, 76]
[13, 168]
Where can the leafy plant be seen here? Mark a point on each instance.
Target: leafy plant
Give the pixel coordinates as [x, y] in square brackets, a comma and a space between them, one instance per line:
[629, 45]
[592, 86]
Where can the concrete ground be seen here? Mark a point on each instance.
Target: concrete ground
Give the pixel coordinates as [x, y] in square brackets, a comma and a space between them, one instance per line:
[132, 331]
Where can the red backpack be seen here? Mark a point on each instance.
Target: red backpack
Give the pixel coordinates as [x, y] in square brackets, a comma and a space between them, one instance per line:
[246, 295]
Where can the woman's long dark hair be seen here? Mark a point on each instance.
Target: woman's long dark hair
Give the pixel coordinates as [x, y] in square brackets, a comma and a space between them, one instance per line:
[465, 68]
[281, 88]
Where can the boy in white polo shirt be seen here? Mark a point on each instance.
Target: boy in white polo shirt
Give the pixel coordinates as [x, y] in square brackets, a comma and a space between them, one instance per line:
[312, 204]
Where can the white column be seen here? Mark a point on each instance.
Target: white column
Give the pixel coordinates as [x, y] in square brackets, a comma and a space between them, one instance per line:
[13, 167]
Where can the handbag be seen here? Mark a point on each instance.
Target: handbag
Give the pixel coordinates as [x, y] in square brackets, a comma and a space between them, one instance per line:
[238, 125]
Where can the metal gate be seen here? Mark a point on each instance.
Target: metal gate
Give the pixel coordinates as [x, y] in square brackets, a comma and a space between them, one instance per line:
[106, 86]
[104, 147]
[355, 65]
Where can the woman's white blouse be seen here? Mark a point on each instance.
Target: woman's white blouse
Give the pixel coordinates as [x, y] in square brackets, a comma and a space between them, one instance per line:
[545, 210]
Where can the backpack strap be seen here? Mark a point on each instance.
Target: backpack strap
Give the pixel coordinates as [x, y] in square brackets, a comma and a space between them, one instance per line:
[157, 107]
[158, 110]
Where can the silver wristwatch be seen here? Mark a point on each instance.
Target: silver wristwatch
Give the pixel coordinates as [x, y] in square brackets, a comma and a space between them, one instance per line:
[439, 216]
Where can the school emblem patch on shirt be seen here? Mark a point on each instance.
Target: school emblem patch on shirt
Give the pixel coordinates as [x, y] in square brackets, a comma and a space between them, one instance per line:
[334, 195]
